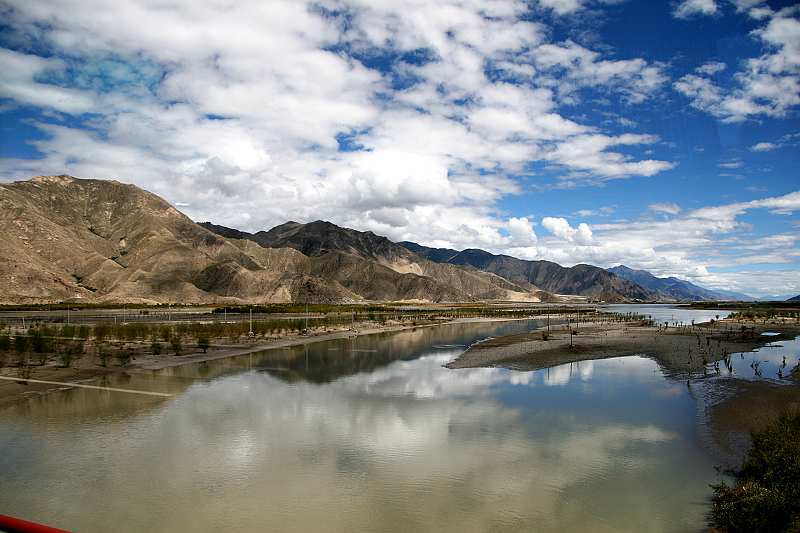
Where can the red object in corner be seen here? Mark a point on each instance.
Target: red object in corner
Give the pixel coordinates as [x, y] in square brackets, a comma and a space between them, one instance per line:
[9, 524]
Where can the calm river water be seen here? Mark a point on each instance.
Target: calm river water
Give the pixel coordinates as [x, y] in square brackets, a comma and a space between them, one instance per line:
[369, 434]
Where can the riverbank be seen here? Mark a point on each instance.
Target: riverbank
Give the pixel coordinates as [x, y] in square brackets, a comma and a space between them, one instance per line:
[733, 407]
[87, 368]
[680, 350]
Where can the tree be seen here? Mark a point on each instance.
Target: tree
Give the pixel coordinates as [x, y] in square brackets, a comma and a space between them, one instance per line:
[176, 343]
[103, 356]
[155, 347]
[5, 343]
[66, 355]
[101, 332]
[203, 343]
[21, 344]
[124, 357]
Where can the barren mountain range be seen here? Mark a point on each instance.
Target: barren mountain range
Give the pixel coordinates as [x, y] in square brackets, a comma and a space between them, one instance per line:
[105, 241]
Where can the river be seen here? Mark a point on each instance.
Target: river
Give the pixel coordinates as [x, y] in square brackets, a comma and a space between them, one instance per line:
[366, 434]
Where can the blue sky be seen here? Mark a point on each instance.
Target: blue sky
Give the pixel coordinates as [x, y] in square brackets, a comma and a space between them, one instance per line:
[660, 135]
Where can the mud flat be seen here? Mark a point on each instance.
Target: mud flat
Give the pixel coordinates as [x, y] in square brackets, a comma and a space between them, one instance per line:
[739, 407]
[680, 350]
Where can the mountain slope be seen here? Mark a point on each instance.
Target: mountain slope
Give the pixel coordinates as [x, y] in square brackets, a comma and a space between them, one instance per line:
[390, 271]
[106, 241]
[794, 299]
[584, 280]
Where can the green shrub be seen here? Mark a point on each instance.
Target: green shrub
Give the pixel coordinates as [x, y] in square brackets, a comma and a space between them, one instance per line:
[766, 493]
[5, 343]
[124, 357]
[66, 356]
[176, 343]
[155, 347]
[203, 343]
[21, 344]
[103, 356]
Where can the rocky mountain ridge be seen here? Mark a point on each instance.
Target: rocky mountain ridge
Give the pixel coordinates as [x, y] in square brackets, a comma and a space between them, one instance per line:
[105, 241]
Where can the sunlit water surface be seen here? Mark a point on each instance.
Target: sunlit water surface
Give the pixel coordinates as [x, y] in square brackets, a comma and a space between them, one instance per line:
[369, 434]
[669, 313]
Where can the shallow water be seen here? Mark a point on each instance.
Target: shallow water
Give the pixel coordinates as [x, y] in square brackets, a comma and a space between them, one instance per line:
[669, 313]
[773, 361]
[364, 434]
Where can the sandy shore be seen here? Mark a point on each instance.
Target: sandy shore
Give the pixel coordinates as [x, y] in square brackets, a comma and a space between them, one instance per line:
[679, 350]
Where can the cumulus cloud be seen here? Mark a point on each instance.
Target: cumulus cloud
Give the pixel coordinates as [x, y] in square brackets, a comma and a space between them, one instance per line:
[685, 245]
[562, 229]
[250, 116]
[767, 85]
[521, 231]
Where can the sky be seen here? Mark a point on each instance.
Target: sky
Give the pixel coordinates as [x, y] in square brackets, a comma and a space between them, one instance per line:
[660, 135]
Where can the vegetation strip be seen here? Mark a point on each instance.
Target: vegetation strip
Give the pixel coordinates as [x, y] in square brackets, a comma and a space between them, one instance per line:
[83, 386]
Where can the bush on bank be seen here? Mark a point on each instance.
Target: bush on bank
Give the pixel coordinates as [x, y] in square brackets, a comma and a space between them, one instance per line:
[766, 493]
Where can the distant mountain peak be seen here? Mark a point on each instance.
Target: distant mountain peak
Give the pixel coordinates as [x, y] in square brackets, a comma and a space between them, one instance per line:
[581, 280]
[674, 288]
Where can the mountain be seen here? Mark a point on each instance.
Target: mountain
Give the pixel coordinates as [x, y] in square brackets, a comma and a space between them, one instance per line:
[584, 280]
[674, 288]
[105, 241]
[794, 299]
[376, 267]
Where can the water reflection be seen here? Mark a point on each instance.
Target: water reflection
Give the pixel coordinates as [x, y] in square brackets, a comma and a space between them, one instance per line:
[773, 361]
[669, 313]
[386, 440]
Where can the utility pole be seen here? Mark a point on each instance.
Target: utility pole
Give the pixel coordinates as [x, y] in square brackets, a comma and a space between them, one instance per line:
[570, 332]
[251, 334]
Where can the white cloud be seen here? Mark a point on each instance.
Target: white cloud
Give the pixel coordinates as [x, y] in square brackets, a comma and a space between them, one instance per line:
[711, 68]
[690, 244]
[788, 140]
[732, 164]
[562, 229]
[562, 7]
[598, 212]
[572, 66]
[238, 110]
[763, 147]
[767, 85]
[668, 208]
[690, 8]
[19, 83]
[590, 153]
[521, 231]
